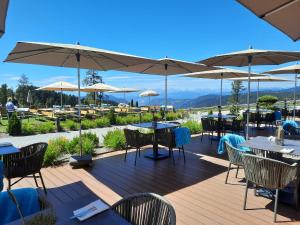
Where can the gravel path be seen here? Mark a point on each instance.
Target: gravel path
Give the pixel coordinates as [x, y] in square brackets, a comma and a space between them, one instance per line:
[27, 140]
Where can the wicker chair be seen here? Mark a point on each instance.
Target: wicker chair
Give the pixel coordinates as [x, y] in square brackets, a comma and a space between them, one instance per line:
[234, 156]
[270, 174]
[136, 139]
[146, 209]
[26, 163]
[208, 126]
[165, 137]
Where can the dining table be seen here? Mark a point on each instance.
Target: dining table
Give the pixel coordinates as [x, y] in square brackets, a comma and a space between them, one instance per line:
[8, 148]
[64, 212]
[156, 126]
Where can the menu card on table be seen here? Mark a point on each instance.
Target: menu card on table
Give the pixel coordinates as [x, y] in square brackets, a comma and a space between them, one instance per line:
[90, 210]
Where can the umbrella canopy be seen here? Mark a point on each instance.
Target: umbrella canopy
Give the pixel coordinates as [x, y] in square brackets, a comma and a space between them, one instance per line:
[124, 90]
[257, 57]
[282, 14]
[220, 74]
[29, 98]
[100, 87]
[59, 86]
[74, 56]
[293, 69]
[149, 94]
[66, 55]
[251, 57]
[167, 67]
[3, 13]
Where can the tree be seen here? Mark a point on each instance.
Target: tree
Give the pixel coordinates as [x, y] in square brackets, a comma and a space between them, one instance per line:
[136, 104]
[236, 90]
[267, 101]
[22, 89]
[131, 103]
[3, 94]
[91, 78]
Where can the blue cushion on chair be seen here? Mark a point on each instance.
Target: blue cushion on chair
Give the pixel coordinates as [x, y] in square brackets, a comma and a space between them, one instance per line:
[28, 202]
[182, 136]
[1, 175]
[234, 140]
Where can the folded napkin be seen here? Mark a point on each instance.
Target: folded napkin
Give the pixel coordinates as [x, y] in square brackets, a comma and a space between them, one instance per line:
[287, 150]
[90, 210]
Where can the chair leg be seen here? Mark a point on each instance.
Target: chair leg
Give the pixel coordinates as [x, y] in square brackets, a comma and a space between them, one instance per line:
[275, 206]
[45, 189]
[246, 193]
[296, 198]
[125, 157]
[139, 152]
[183, 153]
[172, 152]
[136, 153]
[201, 136]
[35, 180]
[229, 167]
[9, 184]
[237, 171]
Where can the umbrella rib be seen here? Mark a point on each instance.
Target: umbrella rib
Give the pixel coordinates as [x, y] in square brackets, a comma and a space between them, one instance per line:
[66, 59]
[27, 56]
[149, 67]
[275, 9]
[272, 61]
[103, 68]
[182, 67]
[104, 56]
[217, 62]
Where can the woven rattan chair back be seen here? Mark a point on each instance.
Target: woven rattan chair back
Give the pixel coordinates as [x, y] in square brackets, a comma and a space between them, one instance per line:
[146, 209]
[268, 173]
[234, 154]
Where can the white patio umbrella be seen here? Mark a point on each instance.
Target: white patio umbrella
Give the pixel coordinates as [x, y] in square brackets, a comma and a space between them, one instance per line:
[293, 69]
[220, 74]
[59, 86]
[73, 56]
[3, 13]
[166, 67]
[248, 58]
[282, 14]
[149, 94]
[260, 79]
[124, 90]
[100, 87]
[29, 98]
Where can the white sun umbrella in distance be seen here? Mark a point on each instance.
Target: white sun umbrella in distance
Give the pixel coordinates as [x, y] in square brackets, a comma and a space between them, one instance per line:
[282, 14]
[293, 69]
[124, 90]
[251, 57]
[149, 94]
[260, 79]
[100, 87]
[166, 67]
[73, 56]
[220, 74]
[29, 98]
[59, 86]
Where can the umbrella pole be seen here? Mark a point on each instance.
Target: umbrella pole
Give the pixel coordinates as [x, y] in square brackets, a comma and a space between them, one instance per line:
[149, 100]
[257, 93]
[221, 90]
[166, 91]
[294, 112]
[79, 100]
[61, 98]
[248, 96]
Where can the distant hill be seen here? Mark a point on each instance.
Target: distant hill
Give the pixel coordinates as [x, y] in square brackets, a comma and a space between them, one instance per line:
[213, 99]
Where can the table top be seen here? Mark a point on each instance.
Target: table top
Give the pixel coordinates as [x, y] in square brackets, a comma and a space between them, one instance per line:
[223, 116]
[65, 211]
[5, 150]
[264, 144]
[157, 127]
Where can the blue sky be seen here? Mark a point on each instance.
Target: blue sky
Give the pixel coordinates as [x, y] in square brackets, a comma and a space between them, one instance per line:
[188, 30]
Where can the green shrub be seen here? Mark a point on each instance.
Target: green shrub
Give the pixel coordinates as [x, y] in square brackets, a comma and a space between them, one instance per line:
[194, 126]
[28, 128]
[14, 127]
[234, 109]
[267, 101]
[87, 124]
[171, 116]
[112, 117]
[56, 148]
[123, 120]
[102, 122]
[46, 127]
[89, 142]
[70, 125]
[148, 117]
[210, 112]
[115, 139]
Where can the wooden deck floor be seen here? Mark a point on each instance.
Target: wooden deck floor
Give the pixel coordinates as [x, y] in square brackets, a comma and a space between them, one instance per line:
[196, 189]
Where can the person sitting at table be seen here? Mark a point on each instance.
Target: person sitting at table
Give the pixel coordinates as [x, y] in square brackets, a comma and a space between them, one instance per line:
[10, 107]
